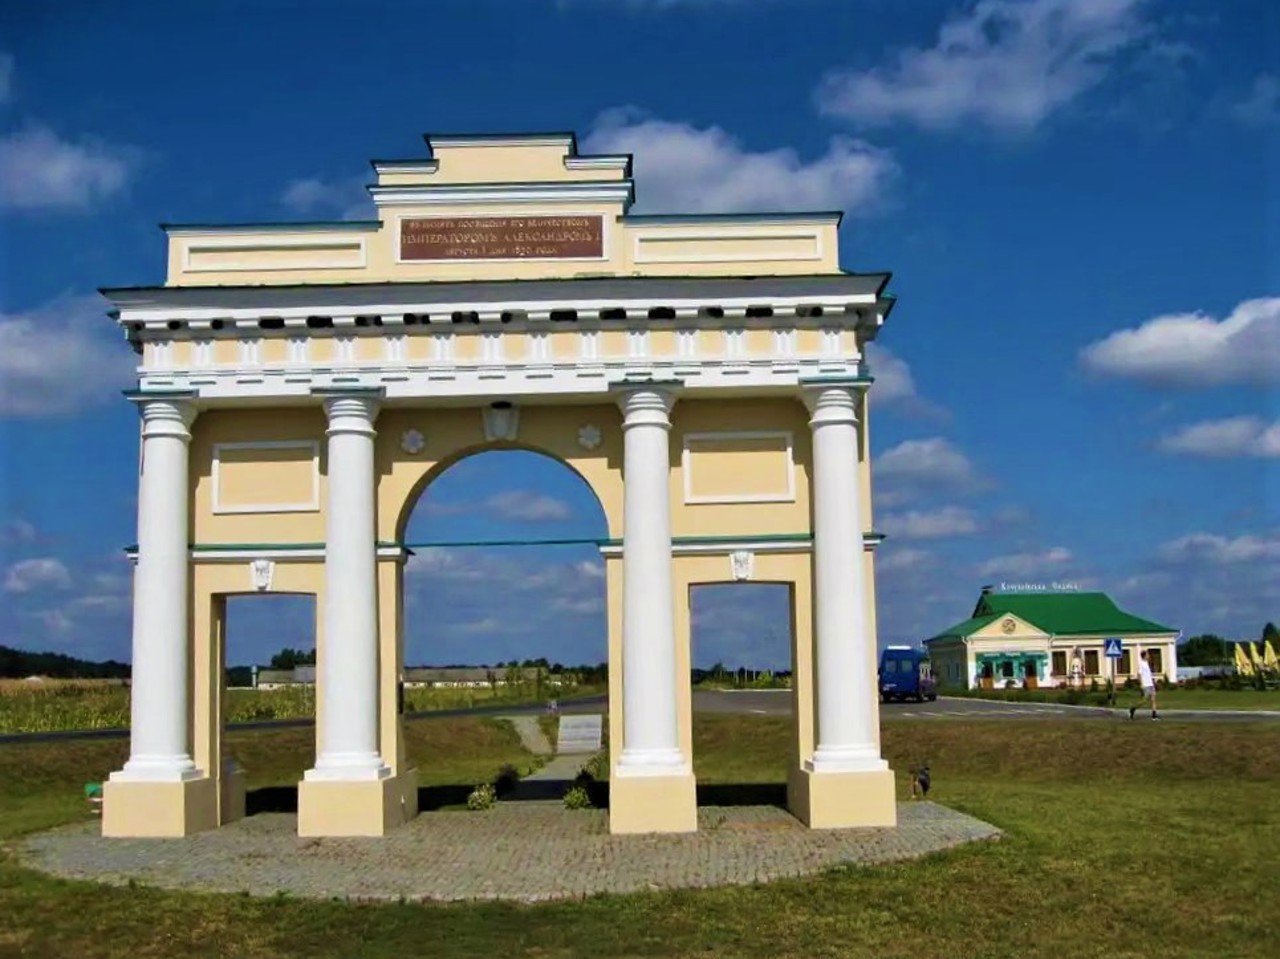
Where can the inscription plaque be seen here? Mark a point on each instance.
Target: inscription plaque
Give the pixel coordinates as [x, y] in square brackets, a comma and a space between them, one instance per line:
[501, 237]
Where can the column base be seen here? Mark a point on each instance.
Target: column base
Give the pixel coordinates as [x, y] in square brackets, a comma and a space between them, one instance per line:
[652, 803]
[139, 808]
[842, 800]
[364, 807]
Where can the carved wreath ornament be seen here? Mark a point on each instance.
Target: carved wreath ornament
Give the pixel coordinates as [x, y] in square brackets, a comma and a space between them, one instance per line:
[589, 436]
[413, 442]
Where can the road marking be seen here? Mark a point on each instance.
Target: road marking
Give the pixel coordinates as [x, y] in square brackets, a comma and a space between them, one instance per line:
[762, 712]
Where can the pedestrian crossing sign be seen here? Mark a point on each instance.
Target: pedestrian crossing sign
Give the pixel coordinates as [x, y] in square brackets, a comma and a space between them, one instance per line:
[1112, 648]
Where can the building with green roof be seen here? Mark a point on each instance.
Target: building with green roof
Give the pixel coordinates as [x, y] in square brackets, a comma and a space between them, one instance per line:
[1042, 638]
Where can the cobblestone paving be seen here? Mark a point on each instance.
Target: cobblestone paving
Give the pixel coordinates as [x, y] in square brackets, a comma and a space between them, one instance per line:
[526, 852]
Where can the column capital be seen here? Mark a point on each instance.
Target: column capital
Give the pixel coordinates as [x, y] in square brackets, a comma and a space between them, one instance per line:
[832, 403]
[647, 404]
[166, 415]
[351, 411]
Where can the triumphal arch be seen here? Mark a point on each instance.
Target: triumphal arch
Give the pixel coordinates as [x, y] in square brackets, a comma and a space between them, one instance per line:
[300, 383]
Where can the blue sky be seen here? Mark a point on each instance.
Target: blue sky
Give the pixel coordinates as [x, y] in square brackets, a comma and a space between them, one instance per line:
[1079, 201]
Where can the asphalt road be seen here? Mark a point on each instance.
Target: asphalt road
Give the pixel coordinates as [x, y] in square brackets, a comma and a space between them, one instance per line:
[760, 702]
[777, 702]
[593, 704]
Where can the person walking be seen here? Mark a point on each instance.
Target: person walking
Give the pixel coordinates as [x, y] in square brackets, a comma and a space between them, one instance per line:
[1148, 686]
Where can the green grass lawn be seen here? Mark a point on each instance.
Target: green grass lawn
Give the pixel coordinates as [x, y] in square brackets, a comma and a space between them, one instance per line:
[1122, 840]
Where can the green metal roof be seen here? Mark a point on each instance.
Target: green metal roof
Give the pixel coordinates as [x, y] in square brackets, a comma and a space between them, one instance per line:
[1059, 614]
[967, 628]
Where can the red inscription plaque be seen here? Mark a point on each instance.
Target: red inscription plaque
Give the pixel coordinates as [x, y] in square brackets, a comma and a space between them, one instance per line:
[502, 237]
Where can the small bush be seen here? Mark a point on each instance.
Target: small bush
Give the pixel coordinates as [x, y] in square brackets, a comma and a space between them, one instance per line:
[482, 797]
[597, 767]
[505, 784]
[577, 797]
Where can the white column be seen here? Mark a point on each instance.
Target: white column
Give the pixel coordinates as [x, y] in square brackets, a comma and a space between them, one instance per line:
[845, 683]
[651, 741]
[159, 746]
[348, 663]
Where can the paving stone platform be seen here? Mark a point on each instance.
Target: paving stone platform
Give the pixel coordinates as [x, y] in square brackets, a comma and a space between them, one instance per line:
[526, 852]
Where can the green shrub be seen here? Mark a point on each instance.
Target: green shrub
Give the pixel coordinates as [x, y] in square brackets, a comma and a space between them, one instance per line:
[577, 797]
[597, 767]
[482, 797]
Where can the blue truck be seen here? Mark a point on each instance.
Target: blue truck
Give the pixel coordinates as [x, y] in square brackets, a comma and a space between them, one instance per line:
[905, 674]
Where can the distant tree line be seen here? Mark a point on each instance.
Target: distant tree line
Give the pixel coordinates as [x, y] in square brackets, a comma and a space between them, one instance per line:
[1210, 649]
[19, 663]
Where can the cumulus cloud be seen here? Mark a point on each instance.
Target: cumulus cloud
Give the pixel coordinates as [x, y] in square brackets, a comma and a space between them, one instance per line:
[39, 170]
[690, 169]
[933, 462]
[1237, 436]
[891, 559]
[345, 198]
[30, 575]
[1003, 64]
[1261, 106]
[1192, 349]
[528, 507]
[931, 524]
[90, 364]
[1017, 565]
[1213, 549]
[17, 532]
[895, 385]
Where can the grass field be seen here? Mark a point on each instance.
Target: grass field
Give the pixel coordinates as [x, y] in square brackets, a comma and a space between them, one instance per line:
[104, 704]
[1122, 840]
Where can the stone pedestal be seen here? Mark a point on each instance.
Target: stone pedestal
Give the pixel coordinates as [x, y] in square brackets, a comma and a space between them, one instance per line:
[167, 810]
[648, 804]
[842, 800]
[338, 807]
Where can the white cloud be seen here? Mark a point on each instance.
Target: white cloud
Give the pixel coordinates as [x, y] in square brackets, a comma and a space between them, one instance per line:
[18, 532]
[41, 171]
[590, 570]
[584, 606]
[61, 357]
[29, 575]
[1003, 64]
[895, 386]
[1192, 349]
[929, 462]
[55, 621]
[345, 198]
[1262, 105]
[1017, 565]
[1212, 549]
[1235, 436]
[682, 167]
[894, 559]
[935, 524]
[528, 507]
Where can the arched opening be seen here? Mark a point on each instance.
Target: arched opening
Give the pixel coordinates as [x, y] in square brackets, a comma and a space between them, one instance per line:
[504, 595]
[742, 656]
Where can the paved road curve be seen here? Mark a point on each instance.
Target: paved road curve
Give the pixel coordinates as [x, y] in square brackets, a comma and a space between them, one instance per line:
[760, 702]
[777, 702]
[593, 704]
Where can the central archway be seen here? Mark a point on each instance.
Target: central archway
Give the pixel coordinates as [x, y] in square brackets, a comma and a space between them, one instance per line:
[504, 584]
